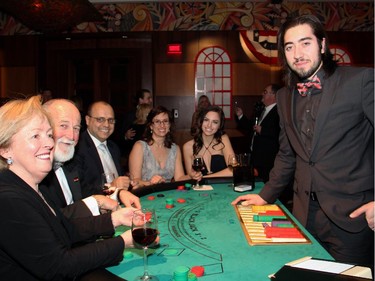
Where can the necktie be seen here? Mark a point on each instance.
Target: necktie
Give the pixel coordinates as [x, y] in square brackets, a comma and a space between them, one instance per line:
[64, 185]
[261, 116]
[303, 87]
[107, 161]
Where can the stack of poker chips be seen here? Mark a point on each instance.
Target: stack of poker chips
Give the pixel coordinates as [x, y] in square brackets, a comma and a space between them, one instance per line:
[169, 203]
[181, 273]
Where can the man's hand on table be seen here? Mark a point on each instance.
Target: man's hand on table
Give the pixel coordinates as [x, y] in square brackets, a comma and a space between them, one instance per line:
[250, 199]
[123, 216]
[129, 199]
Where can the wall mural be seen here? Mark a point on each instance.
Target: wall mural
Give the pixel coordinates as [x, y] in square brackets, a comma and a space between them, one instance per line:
[185, 16]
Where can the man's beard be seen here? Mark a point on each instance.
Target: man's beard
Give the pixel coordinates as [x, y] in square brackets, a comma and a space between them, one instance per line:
[61, 156]
[305, 74]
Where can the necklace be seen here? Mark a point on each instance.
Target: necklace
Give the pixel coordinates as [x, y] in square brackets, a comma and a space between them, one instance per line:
[208, 147]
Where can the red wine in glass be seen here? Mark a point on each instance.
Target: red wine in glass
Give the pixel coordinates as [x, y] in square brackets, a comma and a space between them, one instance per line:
[108, 190]
[197, 166]
[145, 232]
[144, 236]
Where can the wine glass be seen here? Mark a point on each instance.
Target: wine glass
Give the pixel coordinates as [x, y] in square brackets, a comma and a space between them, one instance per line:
[145, 232]
[233, 161]
[107, 179]
[197, 166]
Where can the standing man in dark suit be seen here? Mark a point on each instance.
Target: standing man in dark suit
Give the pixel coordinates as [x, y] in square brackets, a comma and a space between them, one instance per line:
[90, 159]
[265, 140]
[327, 142]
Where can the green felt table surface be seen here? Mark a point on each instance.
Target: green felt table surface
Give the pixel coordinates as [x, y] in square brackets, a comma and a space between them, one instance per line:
[206, 231]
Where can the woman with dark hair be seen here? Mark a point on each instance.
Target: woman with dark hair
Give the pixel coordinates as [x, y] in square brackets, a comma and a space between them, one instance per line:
[157, 158]
[210, 142]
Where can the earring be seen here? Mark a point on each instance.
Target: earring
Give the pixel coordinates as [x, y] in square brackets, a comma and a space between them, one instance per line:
[151, 131]
[9, 161]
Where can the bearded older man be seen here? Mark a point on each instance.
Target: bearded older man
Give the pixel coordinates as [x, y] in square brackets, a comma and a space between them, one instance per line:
[63, 184]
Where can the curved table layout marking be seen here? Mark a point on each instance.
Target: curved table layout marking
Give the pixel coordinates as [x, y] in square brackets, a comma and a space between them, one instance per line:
[205, 231]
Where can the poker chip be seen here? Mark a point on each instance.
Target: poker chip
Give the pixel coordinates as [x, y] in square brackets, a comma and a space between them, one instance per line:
[187, 186]
[180, 187]
[151, 197]
[169, 201]
[148, 216]
[192, 277]
[168, 206]
[128, 255]
[197, 270]
[181, 273]
[181, 200]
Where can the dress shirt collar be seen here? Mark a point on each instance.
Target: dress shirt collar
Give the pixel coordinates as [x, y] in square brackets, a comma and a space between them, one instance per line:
[95, 140]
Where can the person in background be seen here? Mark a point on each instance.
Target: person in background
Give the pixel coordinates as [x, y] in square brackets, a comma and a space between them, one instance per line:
[63, 183]
[265, 140]
[46, 95]
[203, 102]
[36, 240]
[142, 96]
[97, 154]
[157, 158]
[326, 142]
[210, 142]
[139, 124]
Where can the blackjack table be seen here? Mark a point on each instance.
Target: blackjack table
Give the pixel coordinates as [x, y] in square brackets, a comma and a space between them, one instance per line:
[200, 228]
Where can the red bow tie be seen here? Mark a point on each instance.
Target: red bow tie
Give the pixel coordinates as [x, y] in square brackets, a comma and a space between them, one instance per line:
[303, 87]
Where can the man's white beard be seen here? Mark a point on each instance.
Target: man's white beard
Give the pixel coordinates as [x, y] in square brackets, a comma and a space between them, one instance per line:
[60, 156]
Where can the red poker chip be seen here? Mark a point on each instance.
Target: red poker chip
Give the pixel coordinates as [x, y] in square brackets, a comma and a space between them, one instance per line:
[168, 206]
[148, 216]
[181, 200]
[180, 187]
[151, 197]
[197, 270]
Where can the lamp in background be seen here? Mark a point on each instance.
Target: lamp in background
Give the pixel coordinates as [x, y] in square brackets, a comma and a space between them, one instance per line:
[51, 15]
[174, 49]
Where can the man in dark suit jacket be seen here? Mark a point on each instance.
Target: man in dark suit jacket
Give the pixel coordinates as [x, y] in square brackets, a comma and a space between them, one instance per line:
[265, 142]
[89, 161]
[62, 184]
[327, 143]
[265, 133]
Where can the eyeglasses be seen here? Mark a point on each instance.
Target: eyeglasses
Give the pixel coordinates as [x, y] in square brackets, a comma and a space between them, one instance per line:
[159, 122]
[102, 119]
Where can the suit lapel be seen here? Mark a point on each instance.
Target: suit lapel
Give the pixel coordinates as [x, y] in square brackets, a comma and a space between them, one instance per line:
[74, 185]
[93, 151]
[328, 95]
[291, 113]
[53, 185]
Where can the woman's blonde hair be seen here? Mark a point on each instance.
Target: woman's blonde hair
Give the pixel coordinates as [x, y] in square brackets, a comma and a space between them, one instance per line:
[14, 115]
[141, 114]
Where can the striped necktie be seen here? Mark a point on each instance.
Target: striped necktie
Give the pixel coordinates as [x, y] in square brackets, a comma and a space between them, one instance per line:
[107, 161]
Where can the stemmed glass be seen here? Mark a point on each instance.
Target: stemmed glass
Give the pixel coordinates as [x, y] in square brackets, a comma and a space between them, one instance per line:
[107, 178]
[232, 161]
[145, 232]
[197, 166]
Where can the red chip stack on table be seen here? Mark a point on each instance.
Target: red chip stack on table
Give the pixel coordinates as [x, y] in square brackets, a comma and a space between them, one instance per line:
[198, 270]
